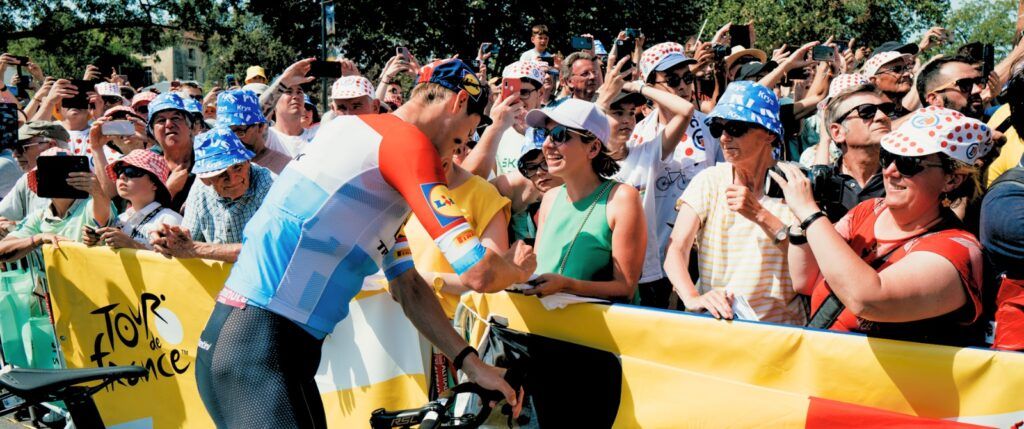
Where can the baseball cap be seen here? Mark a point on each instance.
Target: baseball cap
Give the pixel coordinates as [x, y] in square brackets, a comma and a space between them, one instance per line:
[143, 98]
[239, 107]
[747, 101]
[876, 62]
[33, 180]
[258, 88]
[48, 129]
[894, 46]
[347, 87]
[217, 150]
[840, 84]
[254, 71]
[940, 130]
[573, 113]
[455, 75]
[750, 70]
[146, 160]
[528, 69]
[628, 97]
[661, 57]
[109, 89]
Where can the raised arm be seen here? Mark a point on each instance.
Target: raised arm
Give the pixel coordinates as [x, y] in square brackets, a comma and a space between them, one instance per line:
[481, 161]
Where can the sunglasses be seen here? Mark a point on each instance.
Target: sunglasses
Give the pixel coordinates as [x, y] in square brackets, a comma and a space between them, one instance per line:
[142, 110]
[130, 172]
[868, 111]
[560, 134]
[908, 166]
[735, 129]
[897, 70]
[530, 169]
[109, 99]
[965, 85]
[672, 79]
[240, 130]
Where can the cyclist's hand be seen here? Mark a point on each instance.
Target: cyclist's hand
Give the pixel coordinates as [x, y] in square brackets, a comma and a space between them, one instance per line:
[522, 256]
[491, 378]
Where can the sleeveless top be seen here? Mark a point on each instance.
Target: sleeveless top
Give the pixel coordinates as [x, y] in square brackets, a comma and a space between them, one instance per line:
[591, 254]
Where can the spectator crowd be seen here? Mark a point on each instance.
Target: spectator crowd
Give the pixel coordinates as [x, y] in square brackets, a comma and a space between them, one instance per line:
[870, 189]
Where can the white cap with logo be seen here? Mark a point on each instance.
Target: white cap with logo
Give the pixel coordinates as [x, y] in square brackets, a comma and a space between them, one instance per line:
[573, 113]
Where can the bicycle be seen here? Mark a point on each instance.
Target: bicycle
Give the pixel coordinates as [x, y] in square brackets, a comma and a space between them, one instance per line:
[24, 387]
[439, 413]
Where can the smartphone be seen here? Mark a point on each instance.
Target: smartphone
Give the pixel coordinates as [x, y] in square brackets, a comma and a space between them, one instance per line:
[797, 74]
[549, 60]
[740, 35]
[52, 176]
[8, 125]
[320, 68]
[823, 53]
[91, 232]
[843, 45]
[582, 43]
[118, 128]
[510, 87]
[632, 33]
[21, 60]
[81, 100]
[988, 60]
[230, 81]
[790, 126]
[403, 52]
[706, 86]
[628, 65]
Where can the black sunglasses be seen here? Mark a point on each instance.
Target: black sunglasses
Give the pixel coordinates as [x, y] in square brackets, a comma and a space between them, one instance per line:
[530, 169]
[966, 85]
[906, 165]
[897, 70]
[672, 79]
[868, 111]
[560, 134]
[130, 172]
[735, 129]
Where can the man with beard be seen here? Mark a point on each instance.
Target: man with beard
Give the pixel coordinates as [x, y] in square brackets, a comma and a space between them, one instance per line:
[892, 73]
[952, 83]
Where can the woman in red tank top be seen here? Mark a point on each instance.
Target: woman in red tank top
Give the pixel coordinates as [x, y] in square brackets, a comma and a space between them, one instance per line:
[901, 266]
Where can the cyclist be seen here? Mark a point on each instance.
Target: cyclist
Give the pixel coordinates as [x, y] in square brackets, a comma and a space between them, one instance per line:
[331, 219]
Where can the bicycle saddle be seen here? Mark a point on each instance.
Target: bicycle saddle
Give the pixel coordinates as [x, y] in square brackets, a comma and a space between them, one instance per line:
[26, 381]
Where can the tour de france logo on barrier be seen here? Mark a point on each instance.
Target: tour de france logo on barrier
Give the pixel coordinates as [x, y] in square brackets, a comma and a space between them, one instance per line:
[441, 203]
[145, 333]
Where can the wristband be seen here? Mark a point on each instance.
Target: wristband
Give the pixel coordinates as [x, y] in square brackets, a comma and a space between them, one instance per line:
[461, 357]
[810, 219]
[641, 90]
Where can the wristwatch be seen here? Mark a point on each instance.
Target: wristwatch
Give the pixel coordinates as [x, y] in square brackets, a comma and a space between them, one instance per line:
[780, 235]
[797, 235]
[810, 219]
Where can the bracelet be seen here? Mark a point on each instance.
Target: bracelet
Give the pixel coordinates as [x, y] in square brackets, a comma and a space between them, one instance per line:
[641, 90]
[461, 357]
[810, 219]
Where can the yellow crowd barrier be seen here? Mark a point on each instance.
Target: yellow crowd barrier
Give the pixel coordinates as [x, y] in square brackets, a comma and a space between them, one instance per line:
[685, 370]
[136, 307]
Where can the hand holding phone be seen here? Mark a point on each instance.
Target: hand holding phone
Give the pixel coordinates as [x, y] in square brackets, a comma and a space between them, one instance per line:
[582, 43]
[328, 69]
[404, 53]
[510, 87]
[118, 128]
[823, 53]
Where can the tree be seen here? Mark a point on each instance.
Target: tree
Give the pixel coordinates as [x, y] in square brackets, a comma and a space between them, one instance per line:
[985, 21]
[796, 22]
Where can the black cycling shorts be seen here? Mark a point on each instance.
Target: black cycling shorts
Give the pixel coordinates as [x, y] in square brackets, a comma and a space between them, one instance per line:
[255, 369]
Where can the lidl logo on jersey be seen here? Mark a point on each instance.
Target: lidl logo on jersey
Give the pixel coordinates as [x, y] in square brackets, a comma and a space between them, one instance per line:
[441, 203]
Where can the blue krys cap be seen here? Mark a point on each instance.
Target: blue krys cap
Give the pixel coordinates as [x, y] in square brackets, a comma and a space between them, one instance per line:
[193, 106]
[166, 101]
[747, 101]
[216, 150]
[239, 107]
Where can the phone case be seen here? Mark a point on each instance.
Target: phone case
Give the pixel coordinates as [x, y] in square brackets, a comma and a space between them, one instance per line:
[52, 176]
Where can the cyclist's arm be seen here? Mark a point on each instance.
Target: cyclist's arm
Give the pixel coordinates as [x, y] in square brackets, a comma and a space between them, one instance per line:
[424, 311]
[413, 168]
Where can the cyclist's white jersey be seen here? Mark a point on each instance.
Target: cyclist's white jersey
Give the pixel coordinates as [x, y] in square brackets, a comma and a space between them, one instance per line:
[333, 217]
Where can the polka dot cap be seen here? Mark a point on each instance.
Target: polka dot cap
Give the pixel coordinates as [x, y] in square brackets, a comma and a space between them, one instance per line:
[351, 87]
[524, 69]
[842, 83]
[876, 62]
[661, 57]
[939, 130]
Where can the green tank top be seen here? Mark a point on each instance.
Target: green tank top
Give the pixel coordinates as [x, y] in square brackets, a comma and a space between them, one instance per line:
[591, 255]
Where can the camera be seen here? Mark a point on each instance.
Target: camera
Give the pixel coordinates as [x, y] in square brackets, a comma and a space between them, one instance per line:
[720, 51]
[825, 186]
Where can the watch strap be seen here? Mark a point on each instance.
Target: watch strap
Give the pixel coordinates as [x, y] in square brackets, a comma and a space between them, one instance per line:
[810, 219]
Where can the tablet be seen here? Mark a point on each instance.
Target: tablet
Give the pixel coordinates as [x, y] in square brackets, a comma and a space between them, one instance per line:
[52, 176]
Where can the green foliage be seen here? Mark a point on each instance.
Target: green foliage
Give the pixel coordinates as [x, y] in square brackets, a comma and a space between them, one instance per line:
[986, 21]
[872, 22]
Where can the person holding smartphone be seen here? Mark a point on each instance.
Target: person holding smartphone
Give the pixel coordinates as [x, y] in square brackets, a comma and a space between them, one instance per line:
[63, 219]
[140, 179]
[501, 144]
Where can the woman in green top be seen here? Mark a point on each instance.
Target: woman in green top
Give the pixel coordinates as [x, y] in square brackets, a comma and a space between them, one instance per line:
[591, 231]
